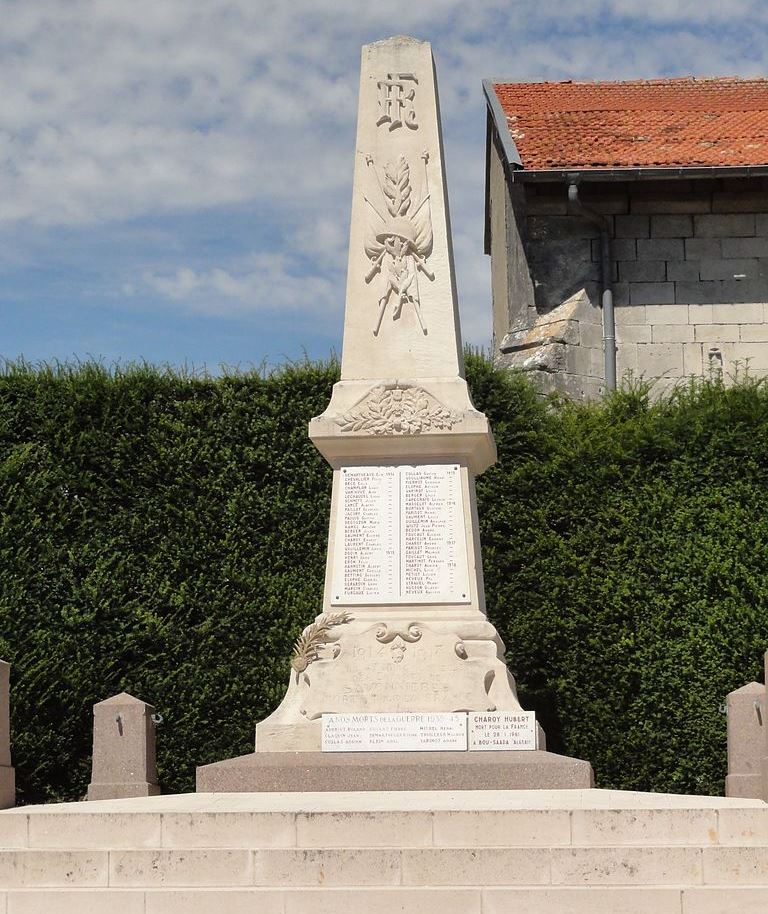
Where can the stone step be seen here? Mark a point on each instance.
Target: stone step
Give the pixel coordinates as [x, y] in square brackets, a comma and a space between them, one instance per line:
[470, 819]
[403, 866]
[500, 900]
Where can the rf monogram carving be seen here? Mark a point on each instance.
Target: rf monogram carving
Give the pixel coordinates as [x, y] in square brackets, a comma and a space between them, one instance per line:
[396, 96]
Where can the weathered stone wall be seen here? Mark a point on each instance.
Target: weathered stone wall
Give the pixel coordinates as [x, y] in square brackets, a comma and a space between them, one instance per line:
[689, 273]
[511, 280]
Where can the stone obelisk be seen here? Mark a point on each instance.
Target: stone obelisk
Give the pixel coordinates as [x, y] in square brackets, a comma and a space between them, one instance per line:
[415, 635]
[403, 626]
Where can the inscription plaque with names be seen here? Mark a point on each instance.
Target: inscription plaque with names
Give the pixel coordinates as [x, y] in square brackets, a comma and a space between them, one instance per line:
[499, 730]
[394, 732]
[400, 536]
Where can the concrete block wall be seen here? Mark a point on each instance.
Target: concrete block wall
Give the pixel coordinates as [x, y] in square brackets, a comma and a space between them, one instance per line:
[691, 287]
[689, 273]
[544, 286]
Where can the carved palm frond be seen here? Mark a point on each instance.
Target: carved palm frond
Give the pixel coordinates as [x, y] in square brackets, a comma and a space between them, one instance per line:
[397, 187]
[314, 636]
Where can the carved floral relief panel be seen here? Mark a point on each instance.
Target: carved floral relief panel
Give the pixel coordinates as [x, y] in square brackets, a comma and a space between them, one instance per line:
[398, 410]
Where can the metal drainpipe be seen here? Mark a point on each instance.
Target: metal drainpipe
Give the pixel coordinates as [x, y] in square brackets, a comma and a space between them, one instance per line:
[609, 324]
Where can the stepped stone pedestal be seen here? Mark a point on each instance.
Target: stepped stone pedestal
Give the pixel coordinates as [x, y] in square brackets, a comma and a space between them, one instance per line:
[403, 627]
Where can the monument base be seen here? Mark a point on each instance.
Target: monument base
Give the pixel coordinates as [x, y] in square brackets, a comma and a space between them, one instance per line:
[7, 787]
[122, 791]
[749, 786]
[270, 772]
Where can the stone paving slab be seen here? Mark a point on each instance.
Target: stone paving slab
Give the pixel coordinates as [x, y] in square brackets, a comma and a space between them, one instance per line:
[376, 801]
[386, 900]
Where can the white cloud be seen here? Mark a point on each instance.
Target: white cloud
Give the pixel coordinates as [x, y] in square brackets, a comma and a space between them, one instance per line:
[275, 282]
[115, 110]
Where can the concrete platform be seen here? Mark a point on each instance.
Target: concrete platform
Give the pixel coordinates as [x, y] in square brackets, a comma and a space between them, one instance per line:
[371, 771]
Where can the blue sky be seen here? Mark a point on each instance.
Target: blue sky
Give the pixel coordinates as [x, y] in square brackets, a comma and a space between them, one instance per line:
[176, 177]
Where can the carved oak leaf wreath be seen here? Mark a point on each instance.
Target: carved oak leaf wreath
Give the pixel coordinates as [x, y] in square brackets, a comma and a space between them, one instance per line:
[397, 411]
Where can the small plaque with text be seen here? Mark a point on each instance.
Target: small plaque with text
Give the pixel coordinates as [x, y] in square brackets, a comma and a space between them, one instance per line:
[394, 732]
[502, 730]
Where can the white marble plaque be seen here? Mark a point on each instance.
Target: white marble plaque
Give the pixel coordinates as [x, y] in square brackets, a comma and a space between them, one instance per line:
[369, 529]
[400, 536]
[500, 730]
[394, 732]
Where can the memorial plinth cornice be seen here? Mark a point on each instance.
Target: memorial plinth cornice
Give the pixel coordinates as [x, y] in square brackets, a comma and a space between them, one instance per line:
[402, 419]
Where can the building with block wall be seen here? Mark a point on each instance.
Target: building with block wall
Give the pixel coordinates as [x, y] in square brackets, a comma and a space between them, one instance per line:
[655, 192]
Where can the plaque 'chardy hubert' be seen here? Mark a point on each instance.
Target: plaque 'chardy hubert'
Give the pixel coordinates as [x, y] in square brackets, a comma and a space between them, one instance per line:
[402, 628]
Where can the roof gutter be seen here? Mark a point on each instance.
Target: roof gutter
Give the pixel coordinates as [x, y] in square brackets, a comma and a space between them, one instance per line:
[638, 174]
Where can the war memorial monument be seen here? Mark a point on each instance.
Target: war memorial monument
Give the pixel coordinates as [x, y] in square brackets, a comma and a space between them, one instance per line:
[399, 773]
[401, 669]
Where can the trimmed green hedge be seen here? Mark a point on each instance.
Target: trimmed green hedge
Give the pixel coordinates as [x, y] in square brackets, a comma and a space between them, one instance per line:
[166, 535]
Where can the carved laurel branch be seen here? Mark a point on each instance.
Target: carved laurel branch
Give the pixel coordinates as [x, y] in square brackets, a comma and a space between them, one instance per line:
[397, 187]
[314, 636]
[397, 411]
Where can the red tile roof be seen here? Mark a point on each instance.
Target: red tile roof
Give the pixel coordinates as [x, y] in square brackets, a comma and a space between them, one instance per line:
[644, 123]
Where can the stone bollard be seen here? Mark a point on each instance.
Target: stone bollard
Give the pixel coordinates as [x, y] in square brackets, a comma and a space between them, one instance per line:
[123, 749]
[746, 741]
[764, 743]
[7, 775]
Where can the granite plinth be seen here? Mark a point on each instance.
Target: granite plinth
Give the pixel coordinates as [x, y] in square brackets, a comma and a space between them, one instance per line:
[123, 749]
[270, 772]
[7, 787]
[7, 777]
[122, 791]
[744, 785]
[746, 741]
